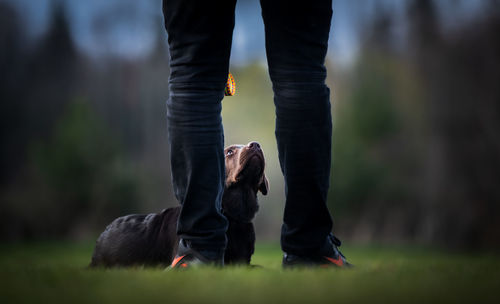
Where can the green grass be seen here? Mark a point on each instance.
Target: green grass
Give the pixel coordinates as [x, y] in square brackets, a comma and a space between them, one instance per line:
[57, 273]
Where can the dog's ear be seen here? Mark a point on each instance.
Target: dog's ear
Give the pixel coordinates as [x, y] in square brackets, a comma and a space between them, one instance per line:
[230, 179]
[264, 185]
[231, 173]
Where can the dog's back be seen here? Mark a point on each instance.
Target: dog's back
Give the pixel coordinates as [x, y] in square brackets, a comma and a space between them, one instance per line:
[145, 239]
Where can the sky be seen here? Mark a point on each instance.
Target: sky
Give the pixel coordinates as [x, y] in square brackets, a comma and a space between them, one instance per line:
[130, 28]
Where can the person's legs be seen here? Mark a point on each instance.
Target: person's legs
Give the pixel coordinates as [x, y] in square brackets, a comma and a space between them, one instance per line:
[199, 37]
[296, 44]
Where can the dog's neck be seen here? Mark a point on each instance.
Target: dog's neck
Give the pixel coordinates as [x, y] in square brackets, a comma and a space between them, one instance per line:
[239, 203]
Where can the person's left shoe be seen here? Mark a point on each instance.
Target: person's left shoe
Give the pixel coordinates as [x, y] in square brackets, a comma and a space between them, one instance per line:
[188, 257]
[334, 258]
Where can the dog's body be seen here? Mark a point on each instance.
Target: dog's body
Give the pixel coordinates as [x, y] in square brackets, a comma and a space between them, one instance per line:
[138, 239]
[151, 239]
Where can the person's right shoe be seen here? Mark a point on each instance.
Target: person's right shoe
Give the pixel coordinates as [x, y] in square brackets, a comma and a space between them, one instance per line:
[188, 257]
[334, 258]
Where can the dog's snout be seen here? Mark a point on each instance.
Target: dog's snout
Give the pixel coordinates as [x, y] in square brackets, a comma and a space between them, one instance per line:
[254, 145]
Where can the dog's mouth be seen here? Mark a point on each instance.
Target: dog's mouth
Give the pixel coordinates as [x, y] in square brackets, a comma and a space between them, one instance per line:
[252, 164]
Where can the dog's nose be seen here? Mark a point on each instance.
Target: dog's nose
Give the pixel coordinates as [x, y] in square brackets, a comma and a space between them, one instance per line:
[254, 145]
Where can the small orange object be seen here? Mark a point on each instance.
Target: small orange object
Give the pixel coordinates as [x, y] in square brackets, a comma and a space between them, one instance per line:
[338, 261]
[230, 86]
[176, 260]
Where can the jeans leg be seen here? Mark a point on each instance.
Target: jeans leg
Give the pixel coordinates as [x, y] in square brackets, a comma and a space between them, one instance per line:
[296, 44]
[199, 37]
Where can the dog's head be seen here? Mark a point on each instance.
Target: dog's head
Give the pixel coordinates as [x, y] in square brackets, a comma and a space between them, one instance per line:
[245, 176]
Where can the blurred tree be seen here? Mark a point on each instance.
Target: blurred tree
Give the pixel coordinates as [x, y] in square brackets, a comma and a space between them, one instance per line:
[70, 163]
[364, 167]
[416, 146]
[51, 75]
[11, 77]
[78, 179]
[80, 171]
[460, 71]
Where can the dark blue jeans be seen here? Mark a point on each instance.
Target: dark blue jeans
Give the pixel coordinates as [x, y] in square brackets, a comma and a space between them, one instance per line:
[199, 37]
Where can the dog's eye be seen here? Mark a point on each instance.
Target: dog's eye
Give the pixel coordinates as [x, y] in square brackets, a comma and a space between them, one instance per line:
[229, 152]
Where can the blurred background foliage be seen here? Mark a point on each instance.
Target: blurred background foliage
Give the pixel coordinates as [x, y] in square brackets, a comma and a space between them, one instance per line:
[416, 105]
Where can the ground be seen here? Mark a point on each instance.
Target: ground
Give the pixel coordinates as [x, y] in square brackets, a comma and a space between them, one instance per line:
[55, 272]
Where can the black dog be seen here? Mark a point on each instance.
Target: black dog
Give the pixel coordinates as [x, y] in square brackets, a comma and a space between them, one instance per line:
[151, 239]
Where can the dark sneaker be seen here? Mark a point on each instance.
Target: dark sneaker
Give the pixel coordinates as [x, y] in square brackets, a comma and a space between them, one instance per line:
[334, 258]
[188, 257]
